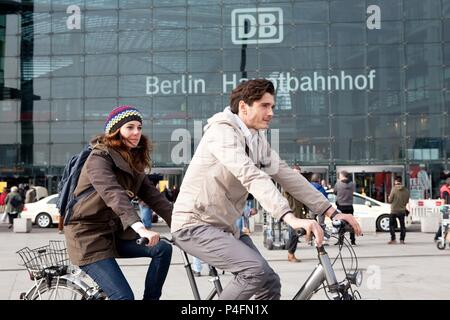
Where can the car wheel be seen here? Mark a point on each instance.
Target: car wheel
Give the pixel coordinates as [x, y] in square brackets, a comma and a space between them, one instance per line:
[383, 223]
[43, 220]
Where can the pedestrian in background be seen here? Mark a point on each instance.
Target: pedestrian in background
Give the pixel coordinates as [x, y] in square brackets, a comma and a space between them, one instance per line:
[343, 190]
[398, 198]
[14, 205]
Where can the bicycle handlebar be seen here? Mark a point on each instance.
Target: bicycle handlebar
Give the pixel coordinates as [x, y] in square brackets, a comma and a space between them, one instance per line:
[339, 226]
[143, 241]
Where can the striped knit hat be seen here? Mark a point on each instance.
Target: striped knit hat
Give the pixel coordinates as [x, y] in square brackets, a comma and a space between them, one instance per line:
[119, 116]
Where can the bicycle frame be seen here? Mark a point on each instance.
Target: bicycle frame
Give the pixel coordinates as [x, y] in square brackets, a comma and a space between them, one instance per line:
[323, 272]
[216, 280]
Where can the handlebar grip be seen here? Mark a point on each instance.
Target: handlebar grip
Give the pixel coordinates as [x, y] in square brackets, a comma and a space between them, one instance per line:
[301, 232]
[142, 241]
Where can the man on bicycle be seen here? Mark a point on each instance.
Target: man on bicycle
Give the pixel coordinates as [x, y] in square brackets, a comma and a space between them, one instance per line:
[232, 159]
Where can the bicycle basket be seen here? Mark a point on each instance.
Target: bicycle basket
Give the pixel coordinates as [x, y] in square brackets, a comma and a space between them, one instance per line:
[51, 258]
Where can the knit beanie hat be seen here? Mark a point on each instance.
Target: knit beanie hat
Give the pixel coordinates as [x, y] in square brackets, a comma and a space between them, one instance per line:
[119, 116]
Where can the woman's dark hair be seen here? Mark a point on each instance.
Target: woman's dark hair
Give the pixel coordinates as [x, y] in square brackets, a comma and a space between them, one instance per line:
[250, 91]
[137, 158]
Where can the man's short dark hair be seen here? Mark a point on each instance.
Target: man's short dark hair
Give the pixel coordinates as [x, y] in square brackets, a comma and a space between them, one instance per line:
[398, 179]
[250, 91]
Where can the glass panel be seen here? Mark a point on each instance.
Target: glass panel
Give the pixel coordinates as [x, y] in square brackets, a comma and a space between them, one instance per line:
[388, 126]
[306, 104]
[97, 65]
[347, 10]
[422, 9]
[41, 154]
[425, 125]
[348, 57]
[135, 4]
[169, 39]
[100, 42]
[63, 66]
[41, 110]
[8, 111]
[61, 153]
[204, 16]
[169, 62]
[11, 67]
[390, 33]
[424, 54]
[67, 87]
[135, 19]
[423, 31]
[94, 128]
[388, 150]
[347, 33]
[145, 105]
[386, 102]
[12, 48]
[100, 20]
[311, 11]
[135, 41]
[419, 78]
[205, 38]
[67, 110]
[174, 17]
[67, 43]
[275, 59]
[41, 132]
[233, 60]
[98, 109]
[390, 10]
[10, 133]
[98, 87]
[102, 4]
[41, 87]
[66, 132]
[132, 86]
[348, 102]
[170, 107]
[41, 45]
[204, 106]
[385, 56]
[424, 101]
[135, 63]
[41, 22]
[310, 58]
[204, 61]
[311, 35]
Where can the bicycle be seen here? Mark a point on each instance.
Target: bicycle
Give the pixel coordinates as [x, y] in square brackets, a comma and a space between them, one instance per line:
[54, 278]
[323, 276]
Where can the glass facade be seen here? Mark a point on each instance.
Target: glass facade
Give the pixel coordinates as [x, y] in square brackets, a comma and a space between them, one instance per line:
[359, 82]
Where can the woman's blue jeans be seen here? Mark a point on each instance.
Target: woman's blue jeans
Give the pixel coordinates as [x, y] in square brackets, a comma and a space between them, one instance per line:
[107, 274]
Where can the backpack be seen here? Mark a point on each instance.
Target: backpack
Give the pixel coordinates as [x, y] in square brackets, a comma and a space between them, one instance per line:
[68, 183]
[15, 202]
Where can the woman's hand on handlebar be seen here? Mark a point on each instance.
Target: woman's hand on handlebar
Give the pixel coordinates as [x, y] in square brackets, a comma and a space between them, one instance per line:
[350, 219]
[310, 226]
[153, 237]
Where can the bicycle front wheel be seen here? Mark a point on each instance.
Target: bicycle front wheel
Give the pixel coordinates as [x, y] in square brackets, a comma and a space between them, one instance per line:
[59, 289]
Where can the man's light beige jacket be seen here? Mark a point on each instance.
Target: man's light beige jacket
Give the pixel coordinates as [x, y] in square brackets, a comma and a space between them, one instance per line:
[221, 174]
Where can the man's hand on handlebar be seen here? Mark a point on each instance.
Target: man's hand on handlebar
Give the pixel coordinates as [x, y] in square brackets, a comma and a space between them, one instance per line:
[350, 219]
[153, 237]
[310, 226]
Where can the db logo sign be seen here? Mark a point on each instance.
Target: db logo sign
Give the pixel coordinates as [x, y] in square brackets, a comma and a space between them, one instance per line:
[257, 25]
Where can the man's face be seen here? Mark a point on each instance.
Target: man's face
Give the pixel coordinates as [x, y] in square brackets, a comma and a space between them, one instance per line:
[259, 115]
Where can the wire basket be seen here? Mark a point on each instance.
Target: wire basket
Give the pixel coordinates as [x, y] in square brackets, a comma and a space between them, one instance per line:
[45, 260]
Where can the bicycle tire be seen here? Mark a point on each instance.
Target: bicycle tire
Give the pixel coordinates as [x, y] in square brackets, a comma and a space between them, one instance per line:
[58, 290]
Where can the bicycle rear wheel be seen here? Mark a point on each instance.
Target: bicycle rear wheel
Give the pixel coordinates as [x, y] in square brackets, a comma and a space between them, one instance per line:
[59, 289]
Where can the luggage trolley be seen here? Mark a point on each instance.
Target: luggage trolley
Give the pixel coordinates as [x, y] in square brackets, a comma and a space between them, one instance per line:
[276, 233]
[444, 239]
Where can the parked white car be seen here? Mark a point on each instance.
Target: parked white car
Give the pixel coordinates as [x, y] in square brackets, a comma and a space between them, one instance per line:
[365, 206]
[43, 212]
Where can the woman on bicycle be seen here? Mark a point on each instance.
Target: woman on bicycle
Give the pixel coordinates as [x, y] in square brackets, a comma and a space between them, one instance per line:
[104, 224]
